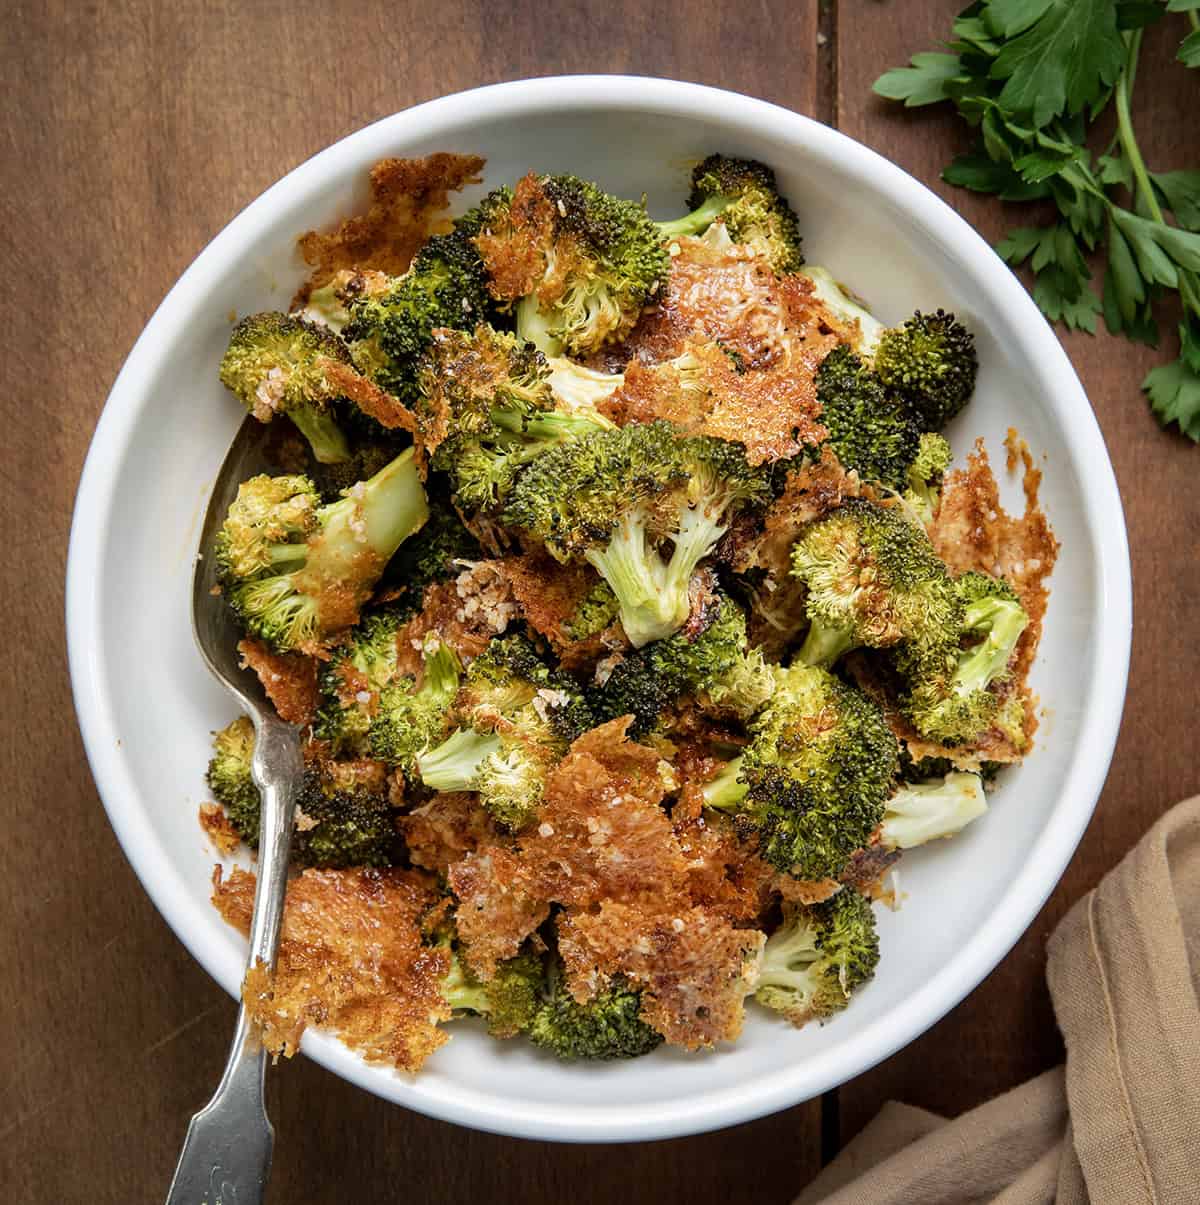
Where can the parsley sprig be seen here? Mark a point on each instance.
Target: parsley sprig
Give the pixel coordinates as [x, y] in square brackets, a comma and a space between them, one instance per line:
[1032, 77]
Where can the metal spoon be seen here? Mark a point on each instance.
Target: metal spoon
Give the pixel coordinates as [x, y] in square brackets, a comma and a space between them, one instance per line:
[226, 1156]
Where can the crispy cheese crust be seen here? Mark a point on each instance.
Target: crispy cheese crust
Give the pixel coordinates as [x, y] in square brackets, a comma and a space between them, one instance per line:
[408, 197]
[290, 680]
[695, 968]
[774, 412]
[351, 958]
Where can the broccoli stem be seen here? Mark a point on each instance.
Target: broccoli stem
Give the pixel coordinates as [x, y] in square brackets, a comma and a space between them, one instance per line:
[824, 644]
[376, 518]
[454, 764]
[323, 434]
[652, 603]
[533, 326]
[787, 956]
[924, 811]
[696, 222]
[1003, 622]
[726, 792]
[461, 993]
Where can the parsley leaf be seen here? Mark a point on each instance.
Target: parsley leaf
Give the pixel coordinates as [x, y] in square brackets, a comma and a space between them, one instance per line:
[1174, 391]
[1189, 49]
[1180, 192]
[1031, 77]
[924, 83]
[1063, 61]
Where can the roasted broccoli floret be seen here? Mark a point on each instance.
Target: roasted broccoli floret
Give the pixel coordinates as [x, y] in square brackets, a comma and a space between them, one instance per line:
[817, 958]
[408, 718]
[579, 263]
[392, 321]
[930, 362]
[952, 696]
[230, 780]
[519, 717]
[813, 781]
[859, 326]
[486, 410]
[509, 1000]
[869, 429]
[372, 447]
[434, 553]
[744, 196]
[649, 680]
[612, 497]
[873, 579]
[940, 807]
[296, 573]
[341, 822]
[277, 364]
[609, 1026]
[744, 689]
[351, 680]
[576, 388]
[597, 610]
[924, 477]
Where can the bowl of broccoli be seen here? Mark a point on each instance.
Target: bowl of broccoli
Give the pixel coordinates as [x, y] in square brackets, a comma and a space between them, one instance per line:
[629, 569]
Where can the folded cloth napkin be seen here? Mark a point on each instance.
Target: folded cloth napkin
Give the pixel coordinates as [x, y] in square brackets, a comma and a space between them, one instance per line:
[1120, 1123]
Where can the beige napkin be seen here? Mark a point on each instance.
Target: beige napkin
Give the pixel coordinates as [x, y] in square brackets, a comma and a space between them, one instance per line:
[1120, 1123]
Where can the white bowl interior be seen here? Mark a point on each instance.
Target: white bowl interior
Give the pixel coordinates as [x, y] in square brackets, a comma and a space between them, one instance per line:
[147, 714]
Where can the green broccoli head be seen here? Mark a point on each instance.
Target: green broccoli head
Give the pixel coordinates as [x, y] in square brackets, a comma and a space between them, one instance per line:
[581, 264]
[350, 682]
[433, 554]
[467, 376]
[391, 327]
[743, 194]
[869, 429]
[268, 524]
[744, 689]
[924, 477]
[597, 610]
[609, 1026]
[818, 957]
[408, 718]
[930, 362]
[520, 716]
[369, 453]
[296, 575]
[616, 497]
[649, 680]
[952, 696]
[486, 409]
[813, 781]
[230, 780]
[873, 579]
[340, 822]
[277, 364]
[509, 1000]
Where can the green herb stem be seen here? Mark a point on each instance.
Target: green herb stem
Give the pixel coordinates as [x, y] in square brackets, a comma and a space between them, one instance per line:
[1133, 153]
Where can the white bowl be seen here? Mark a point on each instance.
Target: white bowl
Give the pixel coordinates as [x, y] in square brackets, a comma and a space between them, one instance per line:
[146, 705]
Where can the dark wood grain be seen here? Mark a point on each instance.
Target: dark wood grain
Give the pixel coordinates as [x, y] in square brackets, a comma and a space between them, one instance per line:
[1004, 1032]
[133, 131]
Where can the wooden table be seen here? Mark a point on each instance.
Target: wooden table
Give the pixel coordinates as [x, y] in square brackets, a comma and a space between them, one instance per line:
[133, 133]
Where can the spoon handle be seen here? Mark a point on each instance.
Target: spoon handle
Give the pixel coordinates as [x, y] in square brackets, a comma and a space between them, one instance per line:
[226, 1155]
